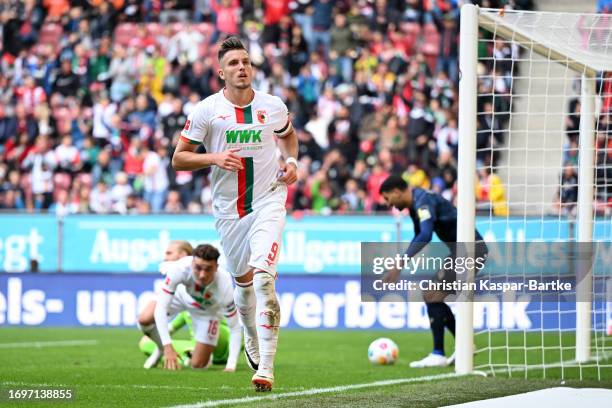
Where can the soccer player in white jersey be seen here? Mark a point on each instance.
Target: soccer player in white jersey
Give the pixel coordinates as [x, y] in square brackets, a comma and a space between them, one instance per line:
[174, 251]
[242, 129]
[194, 283]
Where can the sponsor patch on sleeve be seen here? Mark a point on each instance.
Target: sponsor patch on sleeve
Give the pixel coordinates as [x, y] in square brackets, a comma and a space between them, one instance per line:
[423, 213]
[186, 133]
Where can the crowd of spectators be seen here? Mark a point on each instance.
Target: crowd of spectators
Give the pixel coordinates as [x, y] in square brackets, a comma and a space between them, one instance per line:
[566, 197]
[93, 95]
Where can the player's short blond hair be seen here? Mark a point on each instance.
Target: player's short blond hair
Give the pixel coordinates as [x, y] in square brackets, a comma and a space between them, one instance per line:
[183, 246]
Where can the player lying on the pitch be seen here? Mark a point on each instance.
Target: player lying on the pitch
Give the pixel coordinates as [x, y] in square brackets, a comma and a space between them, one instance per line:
[184, 348]
[430, 213]
[194, 284]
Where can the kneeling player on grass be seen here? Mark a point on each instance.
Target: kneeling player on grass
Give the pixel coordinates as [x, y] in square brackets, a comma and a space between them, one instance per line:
[430, 213]
[184, 348]
[175, 251]
[194, 284]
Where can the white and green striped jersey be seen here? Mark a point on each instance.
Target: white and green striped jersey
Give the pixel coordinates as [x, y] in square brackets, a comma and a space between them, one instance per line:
[215, 299]
[220, 125]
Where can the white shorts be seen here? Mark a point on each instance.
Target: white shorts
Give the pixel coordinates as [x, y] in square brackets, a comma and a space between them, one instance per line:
[205, 325]
[253, 241]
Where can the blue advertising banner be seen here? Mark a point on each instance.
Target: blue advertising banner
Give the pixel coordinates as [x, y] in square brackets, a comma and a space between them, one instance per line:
[327, 245]
[136, 244]
[311, 244]
[307, 302]
[26, 238]
[117, 243]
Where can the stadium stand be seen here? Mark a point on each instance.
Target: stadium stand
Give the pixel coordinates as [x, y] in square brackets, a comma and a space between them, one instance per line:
[93, 95]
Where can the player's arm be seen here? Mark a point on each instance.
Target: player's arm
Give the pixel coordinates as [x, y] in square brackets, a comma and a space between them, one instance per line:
[422, 238]
[193, 134]
[423, 235]
[161, 321]
[423, 229]
[182, 318]
[186, 158]
[288, 145]
[231, 316]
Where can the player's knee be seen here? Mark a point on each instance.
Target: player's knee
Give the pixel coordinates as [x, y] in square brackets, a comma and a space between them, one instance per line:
[199, 362]
[147, 317]
[246, 279]
[264, 285]
[244, 297]
[144, 320]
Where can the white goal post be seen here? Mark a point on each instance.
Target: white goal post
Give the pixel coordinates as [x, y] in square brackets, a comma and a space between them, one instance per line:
[582, 45]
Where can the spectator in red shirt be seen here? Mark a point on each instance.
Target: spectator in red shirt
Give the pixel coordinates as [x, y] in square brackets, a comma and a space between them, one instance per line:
[56, 9]
[227, 14]
[373, 184]
[17, 149]
[274, 11]
[30, 95]
[134, 160]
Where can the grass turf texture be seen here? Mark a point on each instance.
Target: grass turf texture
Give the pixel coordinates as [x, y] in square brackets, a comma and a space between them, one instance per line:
[110, 372]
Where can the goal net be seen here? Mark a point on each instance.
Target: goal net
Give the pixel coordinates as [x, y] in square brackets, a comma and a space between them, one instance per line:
[535, 145]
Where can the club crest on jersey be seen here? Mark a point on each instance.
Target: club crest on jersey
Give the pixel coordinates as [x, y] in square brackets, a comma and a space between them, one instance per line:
[262, 116]
[187, 125]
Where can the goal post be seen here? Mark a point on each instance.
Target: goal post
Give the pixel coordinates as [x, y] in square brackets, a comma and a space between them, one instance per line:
[586, 180]
[527, 153]
[466, 170]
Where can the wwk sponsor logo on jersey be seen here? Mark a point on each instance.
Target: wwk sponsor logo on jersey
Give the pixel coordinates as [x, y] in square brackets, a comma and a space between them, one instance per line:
[243, 136]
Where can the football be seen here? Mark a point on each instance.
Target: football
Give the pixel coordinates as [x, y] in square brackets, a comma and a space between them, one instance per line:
[383, 351]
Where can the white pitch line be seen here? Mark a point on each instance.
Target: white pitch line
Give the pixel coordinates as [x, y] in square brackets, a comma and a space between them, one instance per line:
[144, 386]
[27, 384]
[40, 344]
[314, 391]
[213, 403]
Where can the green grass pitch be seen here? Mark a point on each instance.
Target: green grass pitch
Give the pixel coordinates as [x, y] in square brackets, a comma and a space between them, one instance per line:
[108, 372]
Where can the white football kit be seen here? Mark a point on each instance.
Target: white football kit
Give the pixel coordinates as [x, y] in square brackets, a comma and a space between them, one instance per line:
[207, 305]
[249, 204]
